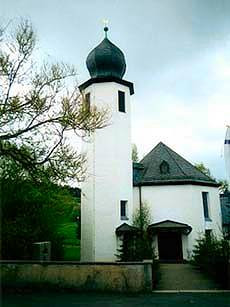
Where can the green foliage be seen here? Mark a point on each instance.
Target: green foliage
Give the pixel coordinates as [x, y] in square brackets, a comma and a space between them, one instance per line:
[135, 157]
[68, 232]
[71, 244]
[212, 255]
[126, 251]
[143, 248]
[142, 218]
[71, 253]
[139, 246]
[224, 185]
[203, 169]
[31, 212]
[39, 107]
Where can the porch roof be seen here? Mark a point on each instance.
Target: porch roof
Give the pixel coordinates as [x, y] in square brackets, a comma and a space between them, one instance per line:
[168, 225]
[125, 228]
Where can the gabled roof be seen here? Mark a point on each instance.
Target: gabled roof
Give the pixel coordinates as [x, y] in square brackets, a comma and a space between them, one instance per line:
[125, 228]
[162, 165]
[168, 225]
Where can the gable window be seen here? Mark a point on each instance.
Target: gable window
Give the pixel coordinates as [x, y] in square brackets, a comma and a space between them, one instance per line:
[87, 102]
[121, 101]
[123, 209]
[206, 206]
[164, 167]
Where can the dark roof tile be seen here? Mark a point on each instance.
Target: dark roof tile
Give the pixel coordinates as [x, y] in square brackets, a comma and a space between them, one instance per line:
[162, 165]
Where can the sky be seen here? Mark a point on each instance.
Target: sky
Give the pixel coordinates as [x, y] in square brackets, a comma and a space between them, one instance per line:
[177, 54]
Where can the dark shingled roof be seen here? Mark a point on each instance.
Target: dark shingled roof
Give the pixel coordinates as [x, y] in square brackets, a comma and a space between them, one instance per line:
[106, 60]
[162, 165]
[169, 225]
[138, 169]
[106, 63]
[125, 228]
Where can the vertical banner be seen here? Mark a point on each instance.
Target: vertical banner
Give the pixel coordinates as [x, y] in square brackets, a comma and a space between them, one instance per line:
[227, 152]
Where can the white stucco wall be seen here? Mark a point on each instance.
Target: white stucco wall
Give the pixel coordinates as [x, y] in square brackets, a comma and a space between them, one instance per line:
[182, 203]
[109, 175]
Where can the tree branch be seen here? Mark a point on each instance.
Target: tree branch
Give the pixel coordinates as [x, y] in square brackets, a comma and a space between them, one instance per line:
[14, 135]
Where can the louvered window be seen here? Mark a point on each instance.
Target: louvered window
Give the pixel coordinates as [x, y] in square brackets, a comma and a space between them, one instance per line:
[121, 101]
[123, 209]
[87, 102]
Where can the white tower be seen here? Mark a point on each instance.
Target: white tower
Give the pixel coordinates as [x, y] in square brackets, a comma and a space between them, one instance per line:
[107, 192]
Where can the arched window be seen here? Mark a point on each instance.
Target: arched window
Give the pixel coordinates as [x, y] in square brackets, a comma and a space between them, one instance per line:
[164, 167]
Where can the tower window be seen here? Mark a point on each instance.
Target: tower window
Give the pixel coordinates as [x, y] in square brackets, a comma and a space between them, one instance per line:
[121, 101]
[123, 209]
[206, 206]
[87, 102]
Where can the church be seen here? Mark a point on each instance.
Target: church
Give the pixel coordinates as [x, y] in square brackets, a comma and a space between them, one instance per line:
[184, 203]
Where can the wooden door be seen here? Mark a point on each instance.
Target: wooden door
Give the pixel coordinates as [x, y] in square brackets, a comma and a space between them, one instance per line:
[170, 246]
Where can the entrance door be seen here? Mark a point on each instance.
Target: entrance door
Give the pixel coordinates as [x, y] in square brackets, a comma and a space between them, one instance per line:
[170, 246]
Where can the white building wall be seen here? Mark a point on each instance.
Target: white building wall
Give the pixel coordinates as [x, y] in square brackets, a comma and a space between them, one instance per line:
[183, 204]
[109, 175]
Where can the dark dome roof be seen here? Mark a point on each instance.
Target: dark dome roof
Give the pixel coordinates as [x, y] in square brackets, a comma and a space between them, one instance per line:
[106, 60]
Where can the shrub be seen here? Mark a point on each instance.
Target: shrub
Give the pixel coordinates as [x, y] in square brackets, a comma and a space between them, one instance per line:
[211, 254]
[139, 247]
[32, 212]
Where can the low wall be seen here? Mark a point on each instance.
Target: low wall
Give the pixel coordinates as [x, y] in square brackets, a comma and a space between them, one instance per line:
[117, 277]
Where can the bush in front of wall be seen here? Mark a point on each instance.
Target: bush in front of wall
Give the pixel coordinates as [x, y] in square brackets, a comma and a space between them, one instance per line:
[212, 254]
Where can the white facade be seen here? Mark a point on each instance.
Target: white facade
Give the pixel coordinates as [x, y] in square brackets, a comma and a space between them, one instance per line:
[108, 198]
[108, 177]
[183, 204]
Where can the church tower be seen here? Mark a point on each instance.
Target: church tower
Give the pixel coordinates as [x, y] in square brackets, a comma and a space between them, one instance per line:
[107, 191]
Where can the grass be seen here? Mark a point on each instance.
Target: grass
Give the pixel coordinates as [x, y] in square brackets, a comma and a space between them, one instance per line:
[71, 245]
[71, 253]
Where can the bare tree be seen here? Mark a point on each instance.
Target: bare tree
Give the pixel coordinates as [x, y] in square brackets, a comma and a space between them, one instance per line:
[39, 106]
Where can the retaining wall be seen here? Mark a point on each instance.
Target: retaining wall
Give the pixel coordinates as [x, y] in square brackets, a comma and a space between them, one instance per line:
[112, 276]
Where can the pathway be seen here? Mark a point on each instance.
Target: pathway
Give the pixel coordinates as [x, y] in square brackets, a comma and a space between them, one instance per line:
[184, 277]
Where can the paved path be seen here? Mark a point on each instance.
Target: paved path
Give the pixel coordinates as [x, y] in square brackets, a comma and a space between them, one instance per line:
[184, 277]
[112, 300]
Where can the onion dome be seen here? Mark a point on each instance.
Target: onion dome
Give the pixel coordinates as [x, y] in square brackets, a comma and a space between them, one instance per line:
[106, 60]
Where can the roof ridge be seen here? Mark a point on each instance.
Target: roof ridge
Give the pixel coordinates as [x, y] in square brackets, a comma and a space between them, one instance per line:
[182, 169]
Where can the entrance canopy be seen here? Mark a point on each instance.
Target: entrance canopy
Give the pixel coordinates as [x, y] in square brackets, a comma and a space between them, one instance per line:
[169, 226]
[126, 229]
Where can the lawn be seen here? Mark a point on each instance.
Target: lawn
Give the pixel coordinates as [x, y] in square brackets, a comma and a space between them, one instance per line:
[71, 245]
[71, 253]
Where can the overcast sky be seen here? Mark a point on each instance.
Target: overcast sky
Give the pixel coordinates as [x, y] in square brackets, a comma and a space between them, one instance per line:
[177, 54]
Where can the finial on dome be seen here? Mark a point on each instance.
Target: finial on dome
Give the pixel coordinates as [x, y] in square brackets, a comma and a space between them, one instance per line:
[106, 59]
[106, 29]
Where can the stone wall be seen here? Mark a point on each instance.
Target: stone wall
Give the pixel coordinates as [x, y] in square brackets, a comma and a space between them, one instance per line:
[116, 277]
